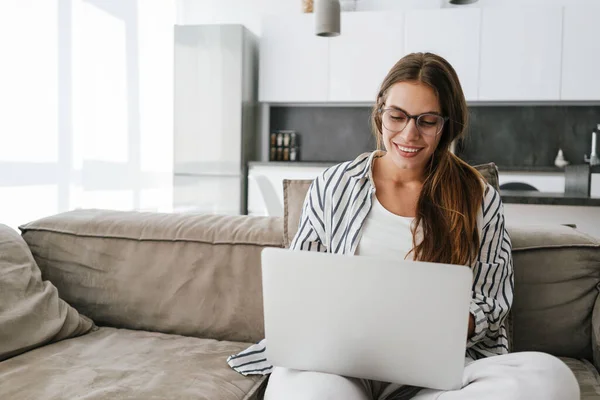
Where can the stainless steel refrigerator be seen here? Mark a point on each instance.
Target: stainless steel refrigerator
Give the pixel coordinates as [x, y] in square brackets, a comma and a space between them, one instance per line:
[215, 116]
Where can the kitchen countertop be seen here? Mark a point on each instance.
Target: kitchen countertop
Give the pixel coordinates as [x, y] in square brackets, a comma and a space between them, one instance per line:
[508, 196]
[547, 198]
[325, 164]
[318, 164]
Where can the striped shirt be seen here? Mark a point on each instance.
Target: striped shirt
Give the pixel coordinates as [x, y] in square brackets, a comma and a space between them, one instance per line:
[333, 215]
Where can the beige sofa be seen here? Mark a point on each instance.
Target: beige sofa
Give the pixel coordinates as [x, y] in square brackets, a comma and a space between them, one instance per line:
[171, 296]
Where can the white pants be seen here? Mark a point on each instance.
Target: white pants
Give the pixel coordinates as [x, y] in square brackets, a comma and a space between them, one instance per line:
[515, 376]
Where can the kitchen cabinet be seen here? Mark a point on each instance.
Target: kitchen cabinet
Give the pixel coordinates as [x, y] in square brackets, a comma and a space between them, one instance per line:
[595, 185]
[359, 59]
[267, 180]
[587, 219]
[454, 35]
[501, 53]
[294, 62]
[520, 54]
[542, 181]
[581, 54]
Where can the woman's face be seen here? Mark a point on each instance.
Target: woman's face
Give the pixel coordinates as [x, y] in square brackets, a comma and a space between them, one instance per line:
[409, 148]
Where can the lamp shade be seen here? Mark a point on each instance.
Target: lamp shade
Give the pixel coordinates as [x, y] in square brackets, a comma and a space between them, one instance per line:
[327, 17]
[460, 2]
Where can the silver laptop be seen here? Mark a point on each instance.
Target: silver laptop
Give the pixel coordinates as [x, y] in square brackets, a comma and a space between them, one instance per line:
[374, 318]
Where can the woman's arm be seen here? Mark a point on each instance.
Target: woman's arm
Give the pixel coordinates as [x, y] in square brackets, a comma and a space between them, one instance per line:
[492, 277]
[311, 228]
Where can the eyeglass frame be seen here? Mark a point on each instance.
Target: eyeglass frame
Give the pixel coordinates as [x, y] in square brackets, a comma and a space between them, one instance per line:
[415, 117]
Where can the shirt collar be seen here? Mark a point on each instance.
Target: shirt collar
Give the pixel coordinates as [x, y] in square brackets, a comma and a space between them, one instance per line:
[366, 169]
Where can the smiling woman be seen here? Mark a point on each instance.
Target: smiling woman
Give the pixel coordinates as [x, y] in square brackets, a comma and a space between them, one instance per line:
[413, 198]
[420, 111]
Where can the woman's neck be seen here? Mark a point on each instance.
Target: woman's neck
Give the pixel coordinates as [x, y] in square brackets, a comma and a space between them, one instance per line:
[385, 169]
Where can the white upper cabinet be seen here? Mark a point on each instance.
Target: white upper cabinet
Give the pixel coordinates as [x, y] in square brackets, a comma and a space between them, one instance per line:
[581, 54]
[454, 35]
[368, 47]
[294, 62]
[520, 54]
[501, 54]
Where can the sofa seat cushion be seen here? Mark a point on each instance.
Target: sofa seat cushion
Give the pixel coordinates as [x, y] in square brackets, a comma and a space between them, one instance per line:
[587, 376]
[125, 364]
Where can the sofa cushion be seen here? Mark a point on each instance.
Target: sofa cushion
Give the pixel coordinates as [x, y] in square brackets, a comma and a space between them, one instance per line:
[123, 364]
[31, 312]
[193, 275]
[557, 270]
[295, 190]
[587, 377]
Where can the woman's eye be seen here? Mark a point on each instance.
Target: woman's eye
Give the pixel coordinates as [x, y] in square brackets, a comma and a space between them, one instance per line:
[428, 120]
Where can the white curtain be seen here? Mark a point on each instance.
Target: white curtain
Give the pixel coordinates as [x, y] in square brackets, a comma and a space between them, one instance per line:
[85, 106]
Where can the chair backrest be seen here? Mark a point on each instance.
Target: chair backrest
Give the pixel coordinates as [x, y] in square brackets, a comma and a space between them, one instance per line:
[270, 198]
[522, 186]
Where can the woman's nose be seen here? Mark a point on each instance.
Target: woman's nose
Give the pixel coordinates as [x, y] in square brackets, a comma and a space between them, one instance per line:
[411, 132]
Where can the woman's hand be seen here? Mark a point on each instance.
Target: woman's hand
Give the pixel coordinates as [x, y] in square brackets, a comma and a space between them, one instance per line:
[471, 326]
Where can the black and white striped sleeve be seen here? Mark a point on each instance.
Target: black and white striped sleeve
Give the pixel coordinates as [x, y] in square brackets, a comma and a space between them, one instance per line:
[492, 279]
[311, 228]
[311, 232]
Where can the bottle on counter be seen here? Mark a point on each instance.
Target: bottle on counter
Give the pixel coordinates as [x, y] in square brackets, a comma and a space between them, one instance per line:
[593, 160]
[560, 161]
[284, 146]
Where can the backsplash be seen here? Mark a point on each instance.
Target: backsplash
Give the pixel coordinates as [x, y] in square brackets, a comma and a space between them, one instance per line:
[510, 136]
[327, 133]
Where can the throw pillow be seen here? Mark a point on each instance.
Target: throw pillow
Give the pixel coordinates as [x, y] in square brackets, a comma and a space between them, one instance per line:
[31, 313]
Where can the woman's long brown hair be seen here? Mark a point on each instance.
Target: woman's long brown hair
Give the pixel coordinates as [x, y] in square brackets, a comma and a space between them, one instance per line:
[452, 191]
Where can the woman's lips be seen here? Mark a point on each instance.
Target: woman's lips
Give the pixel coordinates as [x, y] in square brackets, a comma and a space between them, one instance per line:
[407, 151]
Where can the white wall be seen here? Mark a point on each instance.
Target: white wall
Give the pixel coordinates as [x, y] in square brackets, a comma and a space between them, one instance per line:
[85, 106]
[245, 12]
[250, 12]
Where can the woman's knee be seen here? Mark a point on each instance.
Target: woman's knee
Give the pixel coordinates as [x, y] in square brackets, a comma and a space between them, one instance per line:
[287, 384]
[550, 377]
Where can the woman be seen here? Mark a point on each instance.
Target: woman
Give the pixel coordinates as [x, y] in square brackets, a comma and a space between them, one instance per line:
[417, 200]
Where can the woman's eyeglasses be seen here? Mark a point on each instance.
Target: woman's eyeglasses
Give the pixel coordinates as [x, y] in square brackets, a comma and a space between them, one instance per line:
[428, 124]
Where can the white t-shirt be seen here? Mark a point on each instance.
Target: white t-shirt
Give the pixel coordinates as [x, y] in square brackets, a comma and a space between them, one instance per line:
[386, 234]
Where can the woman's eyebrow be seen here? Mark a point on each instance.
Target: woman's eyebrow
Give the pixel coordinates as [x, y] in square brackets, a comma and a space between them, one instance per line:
[406, 112]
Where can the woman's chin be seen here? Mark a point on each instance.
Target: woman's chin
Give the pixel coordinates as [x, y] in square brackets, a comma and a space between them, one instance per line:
[412, 163]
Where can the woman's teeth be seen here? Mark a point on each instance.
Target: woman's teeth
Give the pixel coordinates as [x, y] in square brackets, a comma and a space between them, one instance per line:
[408, 150]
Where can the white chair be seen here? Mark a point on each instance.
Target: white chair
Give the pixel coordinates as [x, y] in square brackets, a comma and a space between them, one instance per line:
[273, 204]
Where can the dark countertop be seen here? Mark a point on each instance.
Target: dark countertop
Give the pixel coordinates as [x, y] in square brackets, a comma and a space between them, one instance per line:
[526, 169]
[548, 198]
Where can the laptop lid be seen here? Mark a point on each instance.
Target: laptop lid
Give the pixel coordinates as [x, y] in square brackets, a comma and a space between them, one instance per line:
[395, 321]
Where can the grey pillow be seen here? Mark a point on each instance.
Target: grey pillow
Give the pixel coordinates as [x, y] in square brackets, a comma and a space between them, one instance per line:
[31, 313]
